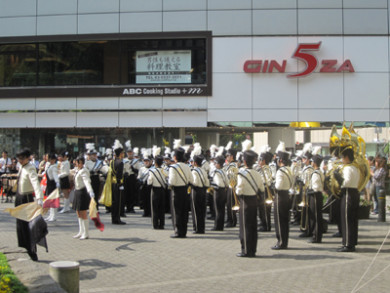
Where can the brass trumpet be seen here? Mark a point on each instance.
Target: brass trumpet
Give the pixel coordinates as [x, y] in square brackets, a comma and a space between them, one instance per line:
[236, 206]
[269, 198]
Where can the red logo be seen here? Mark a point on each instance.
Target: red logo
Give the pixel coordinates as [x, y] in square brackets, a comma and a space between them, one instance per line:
[304, 54]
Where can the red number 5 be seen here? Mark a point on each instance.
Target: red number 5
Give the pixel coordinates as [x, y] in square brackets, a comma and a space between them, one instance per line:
[302, 54]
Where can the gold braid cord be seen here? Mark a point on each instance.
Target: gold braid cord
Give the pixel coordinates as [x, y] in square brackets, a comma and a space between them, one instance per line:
[348, 139]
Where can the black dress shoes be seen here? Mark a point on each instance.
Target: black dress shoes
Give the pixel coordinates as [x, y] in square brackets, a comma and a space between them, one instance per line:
[33, 256]
[123, 216]
[278, 247]
[337, 234]
[313, 241]
[346, 249]
[304, 234]
[240, 254]
[229, 225]
[118, 223]
[177, 236]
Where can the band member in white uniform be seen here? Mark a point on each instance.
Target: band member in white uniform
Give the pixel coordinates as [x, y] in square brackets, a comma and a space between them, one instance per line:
[63, 174]
[28, 183]
[82, 197]
[220, 185]
[283, 182]
[53, 182]
[179, 179]
[316, 187]
[249, 186]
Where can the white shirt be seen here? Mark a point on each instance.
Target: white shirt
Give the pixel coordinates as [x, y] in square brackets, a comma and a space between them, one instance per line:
[220, 179]
[82, 179]
[64, 169]
[317, 181]
[351, 177]
[185, 177]
[28, 181]
[244, 187]
[200, 177]
[4, 163]
[52, 173]
[306, 173]
[284, 178]
[143, 174]
[157, 177]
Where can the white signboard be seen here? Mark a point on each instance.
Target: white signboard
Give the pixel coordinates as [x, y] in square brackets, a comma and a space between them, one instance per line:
[163, 67]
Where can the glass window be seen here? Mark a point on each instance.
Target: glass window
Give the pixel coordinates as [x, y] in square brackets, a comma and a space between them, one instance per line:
[18, 66]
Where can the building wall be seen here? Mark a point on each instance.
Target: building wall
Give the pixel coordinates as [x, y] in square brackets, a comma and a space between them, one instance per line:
[242, 30]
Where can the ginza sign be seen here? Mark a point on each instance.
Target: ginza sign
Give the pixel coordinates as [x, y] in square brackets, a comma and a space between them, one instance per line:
[304, 52]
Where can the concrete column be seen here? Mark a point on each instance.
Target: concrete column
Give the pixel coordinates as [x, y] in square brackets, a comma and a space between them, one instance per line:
[207, 139]
[287, 135]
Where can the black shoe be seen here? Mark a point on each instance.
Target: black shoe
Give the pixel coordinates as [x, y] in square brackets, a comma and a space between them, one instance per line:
[215, 229]
[240, 254]
[33, 256]
[262, 229]
[119, 223]
[304, 234]
[278, 247]
[337, 234]
[229, 225]
[123, 216]
[178, 236]
[313, 241]
[346, 249]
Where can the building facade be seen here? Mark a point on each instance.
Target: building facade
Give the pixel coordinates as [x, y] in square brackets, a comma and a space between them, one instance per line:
[81, 70]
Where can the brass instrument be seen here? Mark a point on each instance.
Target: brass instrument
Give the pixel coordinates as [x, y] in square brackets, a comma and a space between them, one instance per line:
[269, 200]
[348, 139]
[232, 173]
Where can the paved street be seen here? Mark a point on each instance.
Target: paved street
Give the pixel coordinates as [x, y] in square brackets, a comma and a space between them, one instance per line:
[136, 258]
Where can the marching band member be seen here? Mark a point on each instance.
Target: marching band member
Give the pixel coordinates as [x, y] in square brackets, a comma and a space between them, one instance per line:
[198, 196]
[316, 187]
[63, 174]
[93, 164]
[157, 179]
[349, 178]
[266, 176]
[117, 183]
[27, 183]
[283, 182]
[132, 165]
[179, 179]
[53, 182]
[305, 179]
[144, 188]
[220, 184]
[231, 170]
[82, 197]
[249, 185]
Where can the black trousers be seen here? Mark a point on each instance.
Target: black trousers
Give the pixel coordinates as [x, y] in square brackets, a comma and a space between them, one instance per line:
[264, 211]
[117, 199]
[22, 228]
[282, 217]
[335, 214]
[231, 215]
[180, 208]
[95, 183]
[145, 191]
[158, 207]
[316, 226]
[198, 208]
[349, 216]
[130, 192]
[248, 224]
[220, 198]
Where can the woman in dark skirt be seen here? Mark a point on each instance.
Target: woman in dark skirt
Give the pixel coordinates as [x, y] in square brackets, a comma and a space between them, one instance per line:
[82, 197]
[27, 184]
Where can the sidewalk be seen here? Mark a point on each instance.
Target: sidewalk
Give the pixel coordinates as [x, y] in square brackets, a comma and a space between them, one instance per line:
[136, 258]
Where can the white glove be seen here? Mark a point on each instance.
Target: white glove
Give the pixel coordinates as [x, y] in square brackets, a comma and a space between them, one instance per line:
[58, 185]
[121, 188]
[92, 195]
[40, 202]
